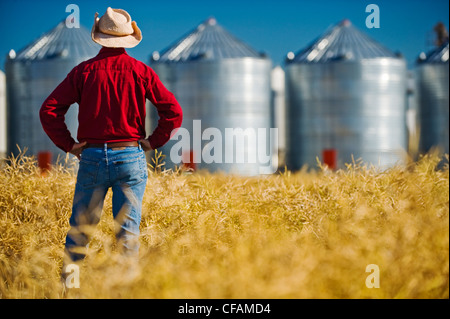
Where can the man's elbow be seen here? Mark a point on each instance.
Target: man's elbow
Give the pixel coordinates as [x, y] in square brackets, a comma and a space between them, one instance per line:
[177, 116]
[42, 113]
[176, 121]
[179, 120]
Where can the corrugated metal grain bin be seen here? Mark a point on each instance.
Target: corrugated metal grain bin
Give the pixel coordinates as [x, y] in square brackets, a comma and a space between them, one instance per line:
[221, 83]
[33, 73]
[279, 113]
[432, 86]
[2, 114]
[346, 93]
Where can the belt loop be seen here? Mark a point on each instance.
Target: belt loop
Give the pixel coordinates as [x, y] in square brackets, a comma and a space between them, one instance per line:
[139, 143]
[105, 150]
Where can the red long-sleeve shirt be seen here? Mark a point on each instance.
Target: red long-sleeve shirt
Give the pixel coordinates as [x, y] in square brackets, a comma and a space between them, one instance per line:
[111, 90]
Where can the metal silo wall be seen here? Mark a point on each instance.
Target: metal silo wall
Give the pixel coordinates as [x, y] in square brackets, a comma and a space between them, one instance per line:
[17, 88]
[357, 108]
[279, 113]
[227, 93]
[432, 85]
[2, 114]
[30, 83]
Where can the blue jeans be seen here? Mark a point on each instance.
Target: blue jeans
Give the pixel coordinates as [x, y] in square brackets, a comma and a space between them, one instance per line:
[125, 171]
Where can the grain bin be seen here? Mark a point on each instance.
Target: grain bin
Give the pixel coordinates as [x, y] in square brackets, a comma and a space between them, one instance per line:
[432, 85]
[2, 115]
[345, 93]
[223, 87]
[279, 113]
[33, 73]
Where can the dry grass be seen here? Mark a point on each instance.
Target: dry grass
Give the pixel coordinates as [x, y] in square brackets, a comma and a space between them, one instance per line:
[302, 235]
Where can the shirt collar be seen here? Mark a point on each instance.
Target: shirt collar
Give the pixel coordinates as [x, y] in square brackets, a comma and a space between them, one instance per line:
[111, 51]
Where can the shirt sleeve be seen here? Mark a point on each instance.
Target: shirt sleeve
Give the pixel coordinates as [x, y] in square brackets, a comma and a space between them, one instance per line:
[169, 111]
[54, 108]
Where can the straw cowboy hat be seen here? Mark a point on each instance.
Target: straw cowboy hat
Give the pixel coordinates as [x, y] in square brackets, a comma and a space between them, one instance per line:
[116, 30]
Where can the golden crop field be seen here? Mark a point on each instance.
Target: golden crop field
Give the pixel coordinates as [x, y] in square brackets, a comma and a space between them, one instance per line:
[309, 234]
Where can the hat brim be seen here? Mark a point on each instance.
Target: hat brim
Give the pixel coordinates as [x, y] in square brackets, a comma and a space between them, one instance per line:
[114, 41]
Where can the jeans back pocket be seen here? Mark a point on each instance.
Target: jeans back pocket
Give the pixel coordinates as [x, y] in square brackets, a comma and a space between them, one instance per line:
[131, 171]
[87, 172]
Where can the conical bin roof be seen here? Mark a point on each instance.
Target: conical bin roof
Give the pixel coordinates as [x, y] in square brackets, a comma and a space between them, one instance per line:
[61, 41]
[342, 42]
[208, 41]
[437, 55]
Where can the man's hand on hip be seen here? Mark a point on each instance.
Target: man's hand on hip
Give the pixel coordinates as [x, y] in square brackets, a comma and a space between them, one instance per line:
[77, 149]
[145, 145]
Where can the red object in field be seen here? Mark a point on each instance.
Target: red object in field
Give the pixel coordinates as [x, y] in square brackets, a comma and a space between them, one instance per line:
[188, 161]
[44, 160]
[330, 158]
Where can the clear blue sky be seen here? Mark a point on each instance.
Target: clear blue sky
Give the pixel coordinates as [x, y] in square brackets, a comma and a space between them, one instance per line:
[273, 26]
